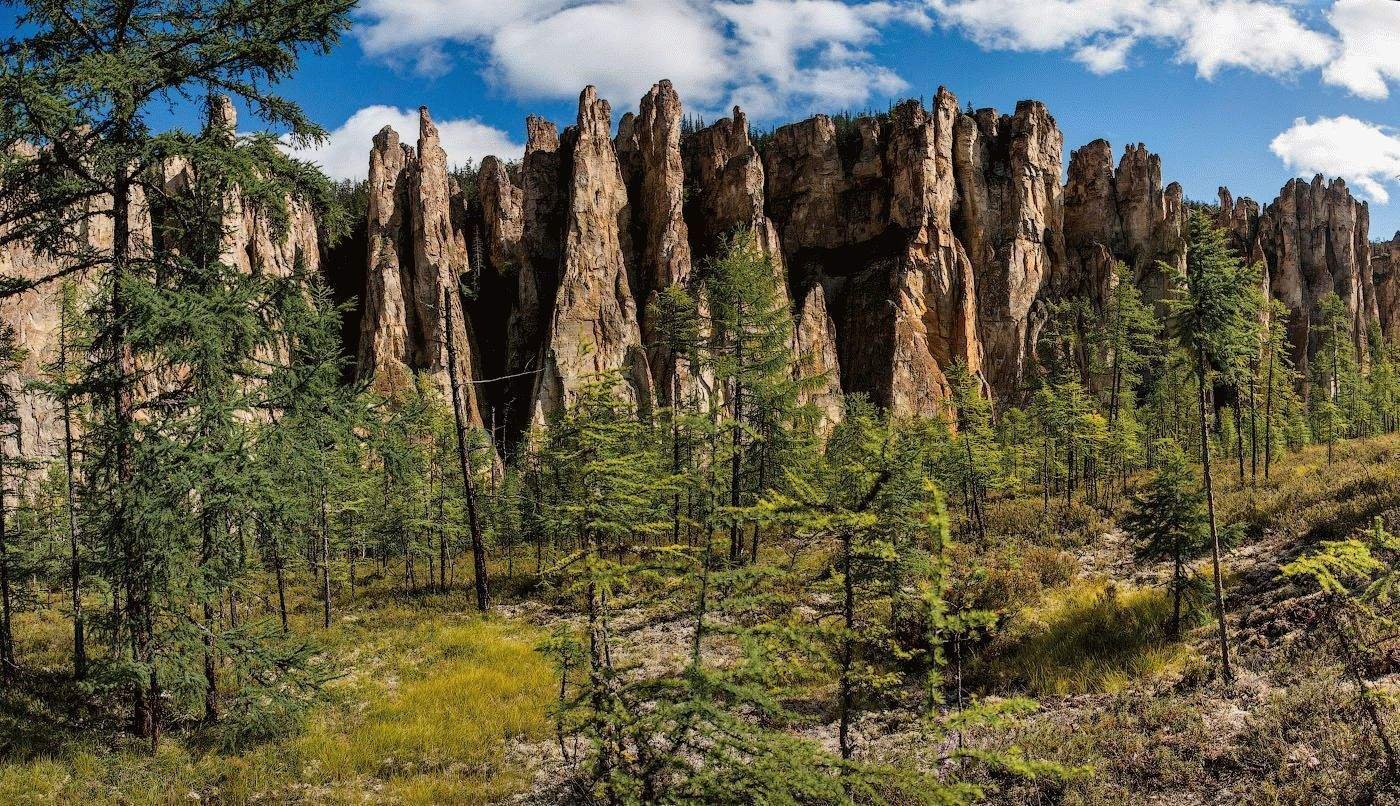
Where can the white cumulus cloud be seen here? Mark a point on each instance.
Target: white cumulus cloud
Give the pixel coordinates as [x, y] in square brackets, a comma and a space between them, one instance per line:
[345, 153]
[1365, 154]
[1370, 49]
[621, 47]
[774, 56]
[1265, 36]
[780, 57]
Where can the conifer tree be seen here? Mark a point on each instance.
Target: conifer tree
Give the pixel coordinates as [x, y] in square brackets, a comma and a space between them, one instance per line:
[1333, 382]
[90, 76]
[1212, 319]
[750, 352]
[11, 357]
[1169, 521]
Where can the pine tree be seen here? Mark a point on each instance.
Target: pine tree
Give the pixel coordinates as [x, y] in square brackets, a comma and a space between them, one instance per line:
[1333, 382]
[11, 358]
[750, 352]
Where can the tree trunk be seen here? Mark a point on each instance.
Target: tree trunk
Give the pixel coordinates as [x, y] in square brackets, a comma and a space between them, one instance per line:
[847, 646]
[1253, 430]
[1239, 435]
[736, 460]
[7, 636]
[75, 568]
[1214, 534]
[325, 565]
[211, 670]
[464, 457]
[1269, 415]
[281, 586]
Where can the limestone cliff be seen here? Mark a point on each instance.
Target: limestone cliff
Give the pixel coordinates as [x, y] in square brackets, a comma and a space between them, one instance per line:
[905, 243]
[594, 328]
[1314, 238]
[1385, 274]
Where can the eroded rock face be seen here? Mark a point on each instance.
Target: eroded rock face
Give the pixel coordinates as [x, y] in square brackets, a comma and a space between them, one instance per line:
[417, 258]
[727, 175]
[502, 216]
[594, 328]
[1120, 215]
[1313, 239]
[544, 177]
[1010, 214]
[865, 210]
[661, 238]
[389, 326]
[1385, 275]
[818, 368]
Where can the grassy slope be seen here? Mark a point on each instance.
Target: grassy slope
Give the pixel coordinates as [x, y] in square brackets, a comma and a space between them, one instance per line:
[1149, 716]
[425, 711]
[432, 700]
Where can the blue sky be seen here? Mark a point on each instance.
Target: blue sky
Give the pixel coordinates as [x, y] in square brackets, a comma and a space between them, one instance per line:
[1244, 93]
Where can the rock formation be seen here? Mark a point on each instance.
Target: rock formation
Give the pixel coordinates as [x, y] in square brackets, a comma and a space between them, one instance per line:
[904, 243]
[1010, 219]
[387, 332]
[908, 242]
[817, 368]
[1313, 239]
[660, 238]
[594, 328]
[1120, 215]
[1385, 275]
[417, 259]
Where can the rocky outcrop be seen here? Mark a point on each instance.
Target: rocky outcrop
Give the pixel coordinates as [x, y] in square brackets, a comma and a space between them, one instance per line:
[387, 348]
[817, 368]
[1120, 215]
[1009, 219]
[864, 209]
[1385, 275]
[905, 243]
[594, 328]
[417, 260]
[661, 240]
[1314, 239]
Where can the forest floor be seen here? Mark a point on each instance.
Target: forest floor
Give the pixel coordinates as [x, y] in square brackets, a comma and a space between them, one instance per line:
[435, 705]
[428, 707]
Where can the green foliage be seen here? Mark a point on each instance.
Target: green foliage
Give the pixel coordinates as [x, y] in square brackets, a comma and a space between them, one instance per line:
[1169, 521]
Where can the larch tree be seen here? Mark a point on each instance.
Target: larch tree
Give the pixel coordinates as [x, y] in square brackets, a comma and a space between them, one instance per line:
[1168, 519]
[1213, 316]
[82, 83]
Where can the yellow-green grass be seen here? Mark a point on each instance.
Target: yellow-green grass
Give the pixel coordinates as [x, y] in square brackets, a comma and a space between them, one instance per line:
[425, 710]
[1091, 637]
[1307, 497]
